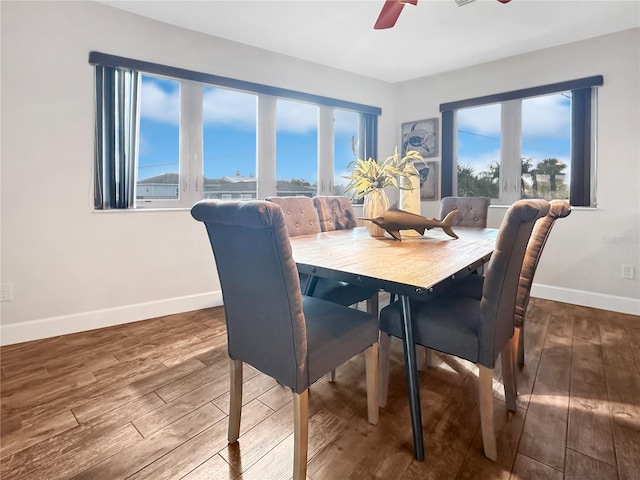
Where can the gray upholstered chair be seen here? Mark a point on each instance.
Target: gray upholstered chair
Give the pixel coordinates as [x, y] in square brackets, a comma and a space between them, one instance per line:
[471, 286]
[539, 237]
[478, 330]
[335, 212]
[270, 325]
[472, 211]
[301, 218]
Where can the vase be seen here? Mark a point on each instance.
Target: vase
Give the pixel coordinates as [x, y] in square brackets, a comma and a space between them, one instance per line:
[410, 197]
[375, 204]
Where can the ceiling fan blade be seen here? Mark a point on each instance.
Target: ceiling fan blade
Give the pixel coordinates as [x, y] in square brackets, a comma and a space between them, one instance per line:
[389, 14]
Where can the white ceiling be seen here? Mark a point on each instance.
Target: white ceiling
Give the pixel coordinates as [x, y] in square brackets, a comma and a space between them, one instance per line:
[431, 37]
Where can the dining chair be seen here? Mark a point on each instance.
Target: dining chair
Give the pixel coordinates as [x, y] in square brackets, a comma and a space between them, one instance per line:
[478, 330]
[539, 237]
[471, 286]
[472, 211]
[271, 326]
[301, 218]
[335, 212]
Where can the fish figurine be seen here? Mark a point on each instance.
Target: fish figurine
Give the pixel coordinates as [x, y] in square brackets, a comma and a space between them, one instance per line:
[395, 220]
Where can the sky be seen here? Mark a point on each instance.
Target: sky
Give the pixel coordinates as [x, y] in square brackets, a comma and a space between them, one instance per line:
[545, 132]
[229, 137]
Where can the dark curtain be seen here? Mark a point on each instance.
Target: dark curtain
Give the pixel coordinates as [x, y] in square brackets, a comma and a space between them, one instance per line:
[116, 137]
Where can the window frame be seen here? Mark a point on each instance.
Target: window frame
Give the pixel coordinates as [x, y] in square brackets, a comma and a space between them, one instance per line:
[583, 133]
[191, 174]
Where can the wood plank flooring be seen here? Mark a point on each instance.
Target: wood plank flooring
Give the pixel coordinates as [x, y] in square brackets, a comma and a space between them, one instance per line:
[149, 400]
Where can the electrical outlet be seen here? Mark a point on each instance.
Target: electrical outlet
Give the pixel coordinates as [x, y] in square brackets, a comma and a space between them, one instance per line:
[6, 292]
[628, 272]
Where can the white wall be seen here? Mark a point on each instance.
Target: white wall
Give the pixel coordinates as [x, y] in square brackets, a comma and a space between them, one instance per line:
[583, 258]
[71, 268]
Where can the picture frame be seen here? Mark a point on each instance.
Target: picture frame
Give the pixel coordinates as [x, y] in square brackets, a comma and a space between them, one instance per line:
[429, 179]
[422, 136]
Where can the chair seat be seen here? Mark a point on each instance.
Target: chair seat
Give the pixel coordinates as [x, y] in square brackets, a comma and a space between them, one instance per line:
[448, 323]
[334, 333]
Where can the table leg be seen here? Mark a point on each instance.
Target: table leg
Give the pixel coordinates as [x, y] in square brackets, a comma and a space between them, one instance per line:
[412, 380]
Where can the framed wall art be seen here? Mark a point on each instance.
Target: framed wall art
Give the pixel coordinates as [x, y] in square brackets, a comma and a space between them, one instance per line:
[421, 136]
[429, 180]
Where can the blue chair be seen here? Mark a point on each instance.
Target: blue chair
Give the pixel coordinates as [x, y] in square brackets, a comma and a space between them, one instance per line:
[292, 338]
[476, 329]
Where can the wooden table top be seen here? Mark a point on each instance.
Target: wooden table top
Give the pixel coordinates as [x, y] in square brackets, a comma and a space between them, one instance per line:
[415, 266]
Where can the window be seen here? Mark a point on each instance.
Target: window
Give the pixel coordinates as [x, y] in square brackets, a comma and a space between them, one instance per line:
[229, 142]
[345, 148]
[168, 137]
[158, 165]
[296, 148]
[533, 143]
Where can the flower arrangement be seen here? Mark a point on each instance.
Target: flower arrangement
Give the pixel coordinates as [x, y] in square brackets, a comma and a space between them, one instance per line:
[369, 175]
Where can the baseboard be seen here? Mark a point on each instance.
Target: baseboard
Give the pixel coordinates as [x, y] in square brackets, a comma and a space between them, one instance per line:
[80, 322]
[587, 299]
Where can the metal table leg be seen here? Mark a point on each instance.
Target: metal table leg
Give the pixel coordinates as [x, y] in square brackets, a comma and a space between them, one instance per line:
[412, 380]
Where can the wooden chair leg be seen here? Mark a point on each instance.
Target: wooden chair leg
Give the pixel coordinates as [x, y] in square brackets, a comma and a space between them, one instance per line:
[235, 407]
[521, 344]
[300, 434]
[508, 377]
[371, 366]
[486, 413]
[515, 351]
[384, 345]
[423, 357]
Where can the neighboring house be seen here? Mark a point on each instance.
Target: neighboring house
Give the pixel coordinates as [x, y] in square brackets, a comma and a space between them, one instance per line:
[225, 188]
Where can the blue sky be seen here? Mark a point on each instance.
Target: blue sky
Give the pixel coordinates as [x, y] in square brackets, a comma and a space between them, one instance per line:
[229, 137]
[545, 132]
[230, 133]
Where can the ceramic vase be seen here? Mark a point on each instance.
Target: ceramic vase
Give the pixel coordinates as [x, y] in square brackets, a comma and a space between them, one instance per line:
[375, 204]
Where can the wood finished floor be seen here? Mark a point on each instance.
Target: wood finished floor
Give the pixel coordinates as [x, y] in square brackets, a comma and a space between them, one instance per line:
[150, 400]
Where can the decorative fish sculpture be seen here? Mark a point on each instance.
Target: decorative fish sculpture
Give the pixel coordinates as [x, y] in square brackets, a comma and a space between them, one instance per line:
[395, 220]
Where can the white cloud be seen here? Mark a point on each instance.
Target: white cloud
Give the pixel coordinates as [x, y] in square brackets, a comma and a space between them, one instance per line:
[546, 116]
[158, 104]
[345, 122]
[541, 116]
[296, 117]
[229, 107]
[483, 120]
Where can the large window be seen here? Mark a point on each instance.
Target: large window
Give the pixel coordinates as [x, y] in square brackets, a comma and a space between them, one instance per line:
[168, 137]
[296, 148]
[533, 143]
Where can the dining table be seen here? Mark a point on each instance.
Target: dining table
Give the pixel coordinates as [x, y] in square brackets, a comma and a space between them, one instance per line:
[414, 268]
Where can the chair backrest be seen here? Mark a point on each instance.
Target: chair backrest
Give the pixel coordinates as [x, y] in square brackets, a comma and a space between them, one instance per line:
[472, 211]
[260, 287]
[501, 277]
[335, 213]
[539, 236]
[300, 215]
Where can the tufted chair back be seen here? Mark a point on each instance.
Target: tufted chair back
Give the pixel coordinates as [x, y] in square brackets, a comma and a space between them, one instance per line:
[335, 213]
[539, 236]
[472, 211]
[300, 215]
